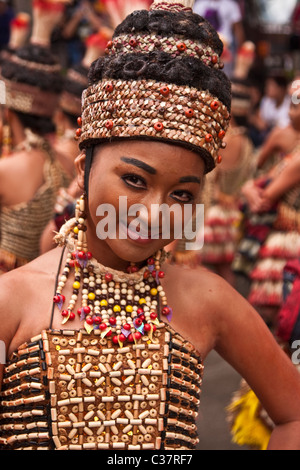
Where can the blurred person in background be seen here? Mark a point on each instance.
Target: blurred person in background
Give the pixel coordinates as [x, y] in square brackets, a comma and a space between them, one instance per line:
[6, 16]
[226, 17]
[275, 104]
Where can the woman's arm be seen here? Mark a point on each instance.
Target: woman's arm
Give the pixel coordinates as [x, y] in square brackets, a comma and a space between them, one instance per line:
[245, 342]
[288, 178]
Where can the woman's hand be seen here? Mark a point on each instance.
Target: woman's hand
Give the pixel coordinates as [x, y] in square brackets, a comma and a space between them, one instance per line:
[254, 196]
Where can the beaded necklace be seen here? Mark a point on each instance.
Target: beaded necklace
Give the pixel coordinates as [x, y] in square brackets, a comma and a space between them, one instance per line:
[122, 305]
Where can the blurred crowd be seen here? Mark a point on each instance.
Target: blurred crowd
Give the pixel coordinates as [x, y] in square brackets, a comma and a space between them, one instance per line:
[252, 199]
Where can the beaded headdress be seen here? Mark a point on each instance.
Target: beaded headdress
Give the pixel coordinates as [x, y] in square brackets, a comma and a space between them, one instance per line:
[160, 79]
[32, 76]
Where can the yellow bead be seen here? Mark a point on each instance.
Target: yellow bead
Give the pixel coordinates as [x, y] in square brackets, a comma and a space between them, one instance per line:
[103, 303]
[76, 285]
[117, 308]
[142, 301]
[129, 308]
[153, 291]
[91, 296]
[75, 230]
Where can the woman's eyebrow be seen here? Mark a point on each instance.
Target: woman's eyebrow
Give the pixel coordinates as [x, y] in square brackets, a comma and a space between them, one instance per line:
[190, 179]
[139, 164]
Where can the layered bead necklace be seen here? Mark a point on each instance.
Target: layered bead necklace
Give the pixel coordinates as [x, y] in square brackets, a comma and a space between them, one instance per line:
[122, 305]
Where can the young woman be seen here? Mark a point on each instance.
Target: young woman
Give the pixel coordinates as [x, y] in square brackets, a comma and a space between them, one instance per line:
[30, 176]
[119, 375]
[272, 233]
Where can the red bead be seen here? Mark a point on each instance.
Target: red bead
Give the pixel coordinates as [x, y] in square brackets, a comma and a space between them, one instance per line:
[56, 299]
[97, 319]
[165, 90]
[65, 313]
[112, 321]
[153, 328]
[208, 138]
[147, 327]
[86, 309]
[71, 263]
[103, 326]
[214, 59]
[142, 317]
[89, 320]
[126, 326]
[108, 277]
[221, 134]
[189, 112]
[130, 338]
[122, 338]
[74, 254]
[138, 322]
[115, 340]
[109, 44]
[158, 126]
[165, 311]
[153, 315]
[78, 132]
[161, 274]
[72, 316]
[150, 261]
[140, 310]
[109, 87]
[133, 42]
[79, 311]
[109, 124]
[181, 46]
[81, 254]
[89, 255]
[219, 159]
[137, 335]
[79, 121]
[134, 269]
[214, 105]
[109, 333]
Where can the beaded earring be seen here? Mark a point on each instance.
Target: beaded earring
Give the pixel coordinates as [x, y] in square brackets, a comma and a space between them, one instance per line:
[122, 305]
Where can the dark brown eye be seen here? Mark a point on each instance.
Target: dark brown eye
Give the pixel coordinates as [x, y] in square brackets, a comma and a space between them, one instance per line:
[134, 181]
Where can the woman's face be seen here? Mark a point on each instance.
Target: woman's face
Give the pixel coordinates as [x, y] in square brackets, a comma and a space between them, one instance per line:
[145, 173]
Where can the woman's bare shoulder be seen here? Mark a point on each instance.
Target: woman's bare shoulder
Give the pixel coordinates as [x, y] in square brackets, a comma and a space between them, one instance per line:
[19, 286]
[26, 297]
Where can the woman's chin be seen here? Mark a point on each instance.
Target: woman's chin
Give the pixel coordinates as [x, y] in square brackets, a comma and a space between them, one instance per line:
[137, 250]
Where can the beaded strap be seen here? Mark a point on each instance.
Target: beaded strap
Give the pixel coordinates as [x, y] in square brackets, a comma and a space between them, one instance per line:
[179, 46]
[147, 108]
